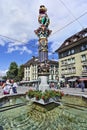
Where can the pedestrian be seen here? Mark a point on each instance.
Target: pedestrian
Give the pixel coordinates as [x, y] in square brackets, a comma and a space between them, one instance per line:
[76, 85]
[6, 87]
[82, 85]
[14, 86]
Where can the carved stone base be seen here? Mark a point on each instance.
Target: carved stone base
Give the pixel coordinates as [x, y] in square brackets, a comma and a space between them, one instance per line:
[44, 85]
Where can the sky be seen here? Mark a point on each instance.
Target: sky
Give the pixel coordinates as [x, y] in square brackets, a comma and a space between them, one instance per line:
[19, 19]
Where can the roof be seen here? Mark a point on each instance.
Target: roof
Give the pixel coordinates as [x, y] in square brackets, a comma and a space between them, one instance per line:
[34, 60]
[73, 39]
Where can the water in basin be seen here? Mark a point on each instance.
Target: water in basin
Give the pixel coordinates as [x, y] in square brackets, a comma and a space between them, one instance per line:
[71, 115]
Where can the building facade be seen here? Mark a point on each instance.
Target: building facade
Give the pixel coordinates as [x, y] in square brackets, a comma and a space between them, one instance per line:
[73, 56]
[31, 70]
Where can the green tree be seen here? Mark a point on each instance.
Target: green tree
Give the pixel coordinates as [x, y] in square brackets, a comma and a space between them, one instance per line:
[21, 72]
[12, 73]
[4, 77]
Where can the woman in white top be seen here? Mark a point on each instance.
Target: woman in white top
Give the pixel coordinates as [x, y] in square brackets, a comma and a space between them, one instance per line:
[6, 87]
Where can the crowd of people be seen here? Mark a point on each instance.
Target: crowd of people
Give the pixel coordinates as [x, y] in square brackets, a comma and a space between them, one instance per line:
[9, 87]
[81, 85]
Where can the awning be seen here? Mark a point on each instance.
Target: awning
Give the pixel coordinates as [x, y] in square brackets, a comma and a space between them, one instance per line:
[32, 81]
[72, 80]
[83, 79]
[53, 81]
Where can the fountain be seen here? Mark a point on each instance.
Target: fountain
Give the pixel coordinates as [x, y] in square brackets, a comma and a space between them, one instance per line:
[43, 33]
[20, 114]
[17, 112]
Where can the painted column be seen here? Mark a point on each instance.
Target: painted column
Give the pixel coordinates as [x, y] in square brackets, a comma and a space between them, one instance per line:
[43, 33]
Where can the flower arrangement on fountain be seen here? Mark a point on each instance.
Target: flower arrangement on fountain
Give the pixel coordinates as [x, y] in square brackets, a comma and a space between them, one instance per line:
[54, 94]
[34, 94]
[38, 95]
[31, 93]
[46, 96]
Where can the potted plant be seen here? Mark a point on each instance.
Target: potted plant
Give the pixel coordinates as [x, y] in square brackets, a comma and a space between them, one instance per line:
[38, 95]
[46, 96]
[31, 93]
[56, 95]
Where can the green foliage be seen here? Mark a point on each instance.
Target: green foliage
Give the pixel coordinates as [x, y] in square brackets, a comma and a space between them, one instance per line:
[38, 94]
[34, 93]
[21, 72]
[31, 93]
[13, 71]
[4, 77]
[44, 95]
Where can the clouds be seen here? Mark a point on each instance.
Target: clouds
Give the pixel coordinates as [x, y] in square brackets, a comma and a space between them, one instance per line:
[3, 73]
[21, 49]
[19, 19]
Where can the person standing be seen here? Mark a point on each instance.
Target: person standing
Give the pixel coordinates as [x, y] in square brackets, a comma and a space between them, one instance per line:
[14, 86]
[6, 87]
[82, 85]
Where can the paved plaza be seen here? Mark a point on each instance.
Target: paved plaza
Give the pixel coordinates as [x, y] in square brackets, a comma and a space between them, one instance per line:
[72, 91]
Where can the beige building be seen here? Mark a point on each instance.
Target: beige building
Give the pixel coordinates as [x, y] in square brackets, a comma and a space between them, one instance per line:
[31, 70]
[73, 56]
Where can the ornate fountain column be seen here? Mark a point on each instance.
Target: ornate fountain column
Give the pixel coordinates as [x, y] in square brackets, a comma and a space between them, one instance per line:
[43, 33]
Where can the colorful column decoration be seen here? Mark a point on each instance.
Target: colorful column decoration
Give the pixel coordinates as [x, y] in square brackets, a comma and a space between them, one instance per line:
[43, 33]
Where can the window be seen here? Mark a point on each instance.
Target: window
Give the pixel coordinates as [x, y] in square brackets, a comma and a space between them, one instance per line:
[70, 71]
[65, 62]
[62, 55]
[84, 68]
[85, 34]
[62, 71]
[83, 57]
[75, 39]
[62, 62]
[65, 71]
[69, 52]
[73, 60]
[72, 51]
[82, 47]
[73, 70]
[67, 43]
[86, 46]
[69, 61]
[52, 66]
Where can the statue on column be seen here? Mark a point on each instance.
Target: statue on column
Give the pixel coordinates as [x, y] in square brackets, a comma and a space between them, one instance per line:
[43, 33]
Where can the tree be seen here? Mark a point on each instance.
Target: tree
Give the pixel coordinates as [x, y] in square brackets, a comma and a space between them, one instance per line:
[13, 71]
[4, 77]
[21, 72]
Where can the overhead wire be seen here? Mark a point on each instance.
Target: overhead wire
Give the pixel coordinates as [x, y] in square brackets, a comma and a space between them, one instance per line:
[14, 39]
[71, 13]
[51, 34]
[69, 23]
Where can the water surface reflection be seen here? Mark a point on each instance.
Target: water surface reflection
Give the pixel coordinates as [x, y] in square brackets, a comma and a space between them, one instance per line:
[72, 115]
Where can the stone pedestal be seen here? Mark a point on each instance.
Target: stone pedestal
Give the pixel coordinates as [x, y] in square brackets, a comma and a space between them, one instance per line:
[43, 85]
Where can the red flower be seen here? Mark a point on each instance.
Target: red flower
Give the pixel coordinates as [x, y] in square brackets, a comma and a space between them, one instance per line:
[62, 93]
